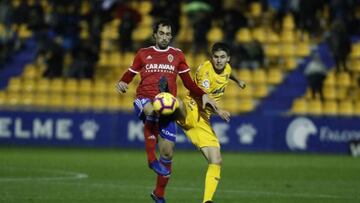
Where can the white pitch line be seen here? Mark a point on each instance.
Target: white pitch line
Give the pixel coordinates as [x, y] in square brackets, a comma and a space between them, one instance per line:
[252, 192]
[63, 175]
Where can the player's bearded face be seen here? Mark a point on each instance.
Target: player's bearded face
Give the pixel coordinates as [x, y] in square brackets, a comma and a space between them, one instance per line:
[219, 59]
[163, 37]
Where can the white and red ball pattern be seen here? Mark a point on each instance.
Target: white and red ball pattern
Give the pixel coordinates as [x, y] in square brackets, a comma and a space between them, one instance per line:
[165, 103]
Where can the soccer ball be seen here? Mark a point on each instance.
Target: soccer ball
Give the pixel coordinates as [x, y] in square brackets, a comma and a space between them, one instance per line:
[165, 103]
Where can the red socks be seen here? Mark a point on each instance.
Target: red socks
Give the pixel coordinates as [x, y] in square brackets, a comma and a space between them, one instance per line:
[162, 180]
[150, 138]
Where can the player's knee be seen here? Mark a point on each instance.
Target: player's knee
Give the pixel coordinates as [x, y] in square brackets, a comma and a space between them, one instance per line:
[149, 109]
[215, 160]
[167, 156]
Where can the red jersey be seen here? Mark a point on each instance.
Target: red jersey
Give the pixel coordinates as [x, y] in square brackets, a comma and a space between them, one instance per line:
[152, 64]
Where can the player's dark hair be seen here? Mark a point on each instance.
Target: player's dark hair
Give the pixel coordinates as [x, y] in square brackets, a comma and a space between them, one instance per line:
[163, 22]
[220, 46]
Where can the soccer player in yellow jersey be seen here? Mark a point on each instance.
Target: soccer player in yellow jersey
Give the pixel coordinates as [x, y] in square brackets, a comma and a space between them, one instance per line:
[212, 77]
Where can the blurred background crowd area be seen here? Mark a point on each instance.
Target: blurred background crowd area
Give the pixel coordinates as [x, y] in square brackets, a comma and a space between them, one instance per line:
[78, 49]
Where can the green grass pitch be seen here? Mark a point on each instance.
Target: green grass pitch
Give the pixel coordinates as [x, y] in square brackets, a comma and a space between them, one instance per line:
[46, 175]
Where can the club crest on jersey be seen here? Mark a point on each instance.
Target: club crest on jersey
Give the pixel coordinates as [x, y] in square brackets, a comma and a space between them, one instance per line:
[170, 58]
[149, 57]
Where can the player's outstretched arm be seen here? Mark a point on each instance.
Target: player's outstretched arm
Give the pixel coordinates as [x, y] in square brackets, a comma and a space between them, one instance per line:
[240, 83]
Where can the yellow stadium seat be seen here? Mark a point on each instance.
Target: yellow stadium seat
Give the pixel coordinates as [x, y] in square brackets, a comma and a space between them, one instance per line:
[231, 104]
[232, 90]
[114, 103]
[13, 98]
[273, 37]
[115, 59]
[215, 34]
[275, 76]
[31, 72]
[330, 79]
[128, 59]
[71, 86]
[15, 85]
[330, 108]
[29, 85]
[355, 65]
[199, 59]
[259, 34]
[287, 36]
[246, 105]
[245, 75]
[71, 101]
[27, 99]
[287, 50]
[255, 9]
[3, 98]
[260, 90]
[57, 85]
[302, 49]
[56, 100]
[99, 102]
[290, 63]
[272, 50]
[357, 108]
[42, 85]
[346, 108]
[243, 35]
[259, 76]
[342, 93]
[85, 86]
[314, 107]
[142, 33]
[84, 102]
[145, 7]
[329, 92]
[288, 22]
[100, 87]
[355, 51]
[299, 106]
[247, 92]
[42, 100]
[343, 79]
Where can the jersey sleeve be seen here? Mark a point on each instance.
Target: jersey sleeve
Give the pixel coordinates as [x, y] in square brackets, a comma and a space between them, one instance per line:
[202, 79]
[137, 63]
[183, 66]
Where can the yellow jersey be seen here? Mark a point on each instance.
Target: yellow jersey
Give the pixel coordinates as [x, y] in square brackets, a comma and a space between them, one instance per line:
[212, 83]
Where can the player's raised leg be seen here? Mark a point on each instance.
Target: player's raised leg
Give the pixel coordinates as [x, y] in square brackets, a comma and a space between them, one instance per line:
[213, 156]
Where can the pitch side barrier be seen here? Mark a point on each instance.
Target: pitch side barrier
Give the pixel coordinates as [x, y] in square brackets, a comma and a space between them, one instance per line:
[242, 133]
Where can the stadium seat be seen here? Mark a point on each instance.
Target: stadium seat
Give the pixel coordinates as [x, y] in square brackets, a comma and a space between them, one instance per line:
[28, 85]
[2, 98]
[71, 101]
[259, 76]
[314, 107]
[288, 22]
[57, 85]
[13, 99]
[56, 100]
[215, 34]
[232, 90]
[145, 7]
[114, 103]
[355, 65]
[259, 34]
[355, 51]
[99, 102]
[42, 100]
[85, 86]
[260, 90]
[247, 92]
[290, 63]
[342, 93]
[299, 106]
[15, 85]
[27, 99]
[272, 50]
[346, 108]
[343, 79]
[287, 36]
[84, 102]
[330, 108]
[357, 108]
[255, 9]
[302, 49]
[275, 76]
[142, 33]
[329, 92]
[71, 86]
[330, 79]
[273, 37]
[246, 105]
[31, 72]
[245, 75]
[232, 105]
[243, 35]
[287, 50]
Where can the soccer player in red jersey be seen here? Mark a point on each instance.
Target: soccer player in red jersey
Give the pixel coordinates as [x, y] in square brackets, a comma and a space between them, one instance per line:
[156, 65]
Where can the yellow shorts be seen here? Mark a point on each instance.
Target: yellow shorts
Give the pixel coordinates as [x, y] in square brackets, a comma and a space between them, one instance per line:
[196, 128]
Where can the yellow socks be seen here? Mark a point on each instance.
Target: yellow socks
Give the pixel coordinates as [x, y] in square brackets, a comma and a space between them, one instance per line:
[211, 181]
